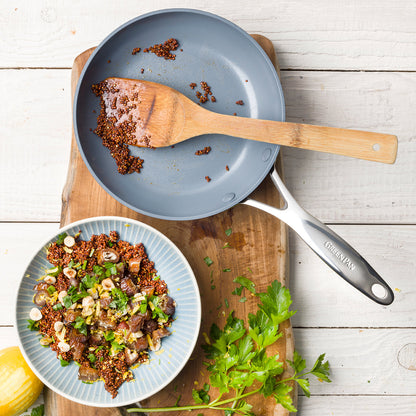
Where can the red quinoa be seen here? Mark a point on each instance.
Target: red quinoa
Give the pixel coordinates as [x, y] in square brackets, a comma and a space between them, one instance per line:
[240, 102]
[136, 51]
[207, 178]
[164, 50]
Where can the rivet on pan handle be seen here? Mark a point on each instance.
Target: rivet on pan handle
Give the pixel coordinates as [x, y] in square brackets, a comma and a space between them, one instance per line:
[329, 246]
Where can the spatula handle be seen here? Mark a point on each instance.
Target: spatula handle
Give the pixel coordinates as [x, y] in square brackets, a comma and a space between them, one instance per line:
[329, 246]
[377, 147]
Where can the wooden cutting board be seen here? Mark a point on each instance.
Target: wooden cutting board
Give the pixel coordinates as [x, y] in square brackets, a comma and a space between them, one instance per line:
[258, 250]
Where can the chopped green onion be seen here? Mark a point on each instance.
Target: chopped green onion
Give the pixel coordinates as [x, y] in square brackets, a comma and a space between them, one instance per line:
[228, 232]
[54, 271]
[57, 307]
[226, 270]
[226, 303]
[84, 265]
[243, 299]
[92, 358]
[51, 289]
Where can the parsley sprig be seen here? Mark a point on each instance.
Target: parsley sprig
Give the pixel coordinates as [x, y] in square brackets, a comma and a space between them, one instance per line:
[239, 364]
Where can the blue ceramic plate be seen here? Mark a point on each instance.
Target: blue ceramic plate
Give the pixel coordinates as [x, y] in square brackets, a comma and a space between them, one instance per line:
[149, 379]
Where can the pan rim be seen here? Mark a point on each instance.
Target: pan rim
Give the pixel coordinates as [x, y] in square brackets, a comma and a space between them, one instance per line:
[225, 205]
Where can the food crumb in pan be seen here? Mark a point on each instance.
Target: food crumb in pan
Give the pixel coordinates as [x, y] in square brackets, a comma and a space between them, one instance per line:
[164, 50]
[109, 61]
[204, 96]
[227, 168]
[240, 102]
[135, 51]
[246, 80]
[203, 151]
[142, 71]
[207, 178]
[234, 114]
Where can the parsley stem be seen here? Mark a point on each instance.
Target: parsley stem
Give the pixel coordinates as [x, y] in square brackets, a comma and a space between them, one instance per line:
[192, 407]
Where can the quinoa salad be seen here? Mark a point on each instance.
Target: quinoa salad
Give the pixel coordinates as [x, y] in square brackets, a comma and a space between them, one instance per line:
[101, 305]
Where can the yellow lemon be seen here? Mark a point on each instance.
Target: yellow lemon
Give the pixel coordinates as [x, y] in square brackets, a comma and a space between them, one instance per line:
[19, 387]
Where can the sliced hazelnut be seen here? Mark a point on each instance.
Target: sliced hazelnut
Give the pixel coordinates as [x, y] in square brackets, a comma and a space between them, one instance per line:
[107, 284]
[87, 301]
[35, 314]
[69, 241]
[64, 346]
[70, 273]
[50, 280]
[61, 295]
[58, 325]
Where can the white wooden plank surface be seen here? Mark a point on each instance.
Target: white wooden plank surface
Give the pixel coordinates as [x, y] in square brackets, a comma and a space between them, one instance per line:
[362, 361]
[340, 189]
[321, 297]
[35, 131]
[323, 34]
[335, 189]
[357, 406]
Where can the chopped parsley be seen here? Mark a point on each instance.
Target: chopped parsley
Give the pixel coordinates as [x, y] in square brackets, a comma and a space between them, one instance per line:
[208, 261]
[33, 325]
[81, 325]
[61, 238]
[63, 362]
[120, 299]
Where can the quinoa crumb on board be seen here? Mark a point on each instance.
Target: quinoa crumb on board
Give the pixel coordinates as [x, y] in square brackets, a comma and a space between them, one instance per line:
[240, 102]
[207, 178]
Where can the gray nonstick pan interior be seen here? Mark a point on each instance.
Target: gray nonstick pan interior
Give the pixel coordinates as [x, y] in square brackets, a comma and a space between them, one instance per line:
[172, 183]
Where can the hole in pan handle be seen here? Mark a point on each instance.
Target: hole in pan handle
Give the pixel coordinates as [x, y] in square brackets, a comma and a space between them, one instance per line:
[329, 246]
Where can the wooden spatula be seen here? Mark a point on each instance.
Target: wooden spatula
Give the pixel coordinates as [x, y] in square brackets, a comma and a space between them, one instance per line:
[162, 116]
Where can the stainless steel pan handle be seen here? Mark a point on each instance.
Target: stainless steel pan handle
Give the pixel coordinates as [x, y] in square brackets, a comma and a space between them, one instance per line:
[329, 246]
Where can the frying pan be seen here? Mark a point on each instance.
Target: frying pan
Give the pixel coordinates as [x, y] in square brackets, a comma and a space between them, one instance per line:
[172, 184]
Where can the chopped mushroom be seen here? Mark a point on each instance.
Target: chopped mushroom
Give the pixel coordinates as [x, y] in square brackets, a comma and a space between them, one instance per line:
[86, 373]
[131, 356]
[134, 264]
[107, 255]
[40, 297]
[157, 335]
